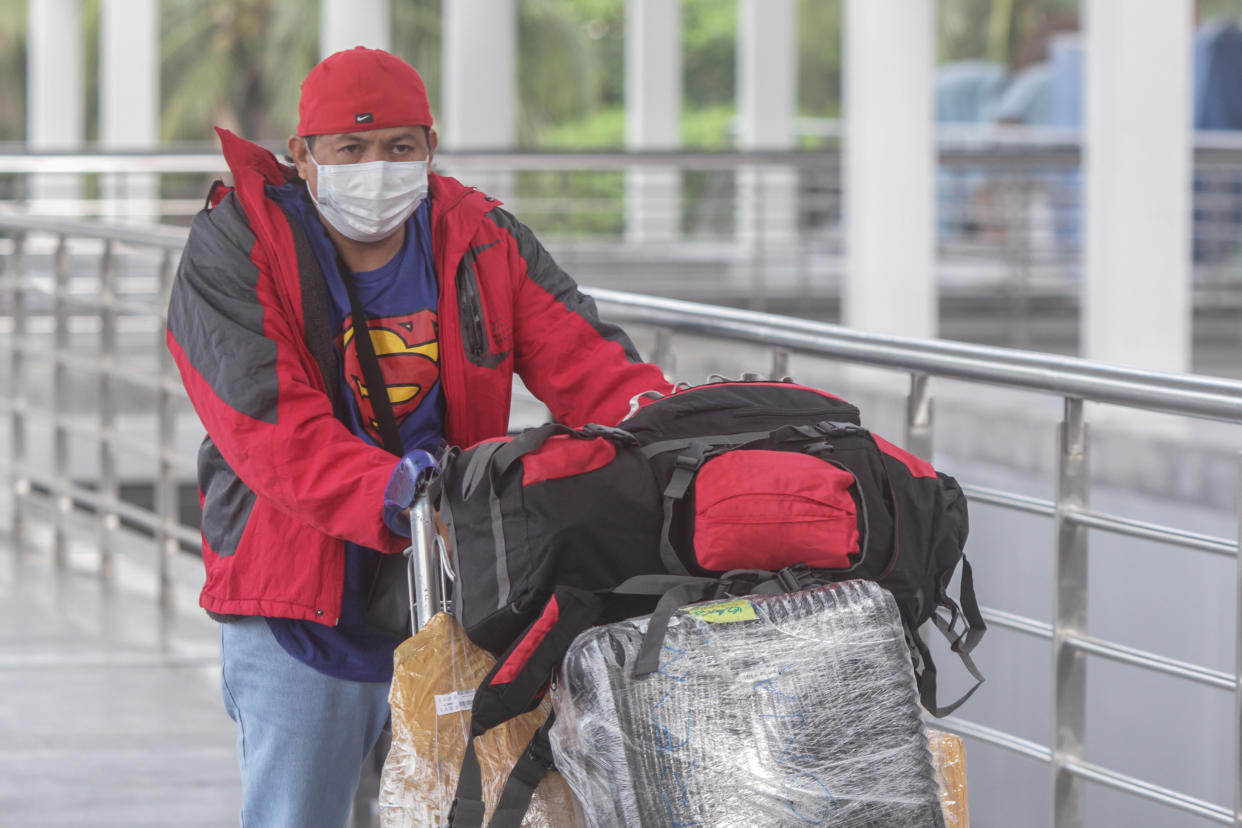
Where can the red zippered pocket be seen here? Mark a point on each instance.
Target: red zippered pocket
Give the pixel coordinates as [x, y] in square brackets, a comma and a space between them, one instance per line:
[772, 509]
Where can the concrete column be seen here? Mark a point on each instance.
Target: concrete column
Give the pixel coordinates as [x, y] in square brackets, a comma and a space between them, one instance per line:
[129, 102]
[344, 24]
[55, 102]
[653, 116]
[1137, 163]
[888, 167]
[479, 80]
[767, 90]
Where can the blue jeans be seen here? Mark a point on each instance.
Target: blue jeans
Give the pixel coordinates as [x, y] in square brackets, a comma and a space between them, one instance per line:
[302, 736]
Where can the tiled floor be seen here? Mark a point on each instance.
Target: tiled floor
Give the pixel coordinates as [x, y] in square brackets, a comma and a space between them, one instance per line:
[110, 715]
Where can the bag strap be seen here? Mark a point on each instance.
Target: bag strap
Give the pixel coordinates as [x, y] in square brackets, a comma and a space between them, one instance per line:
[925, 673]
[468, 808]
[961, 643]
[514, 686]
[369, 363]
[970, 611]
[676, 591]
[733, 441]
[684, 471]
[523, 444]
[527, 773]
[533, 438]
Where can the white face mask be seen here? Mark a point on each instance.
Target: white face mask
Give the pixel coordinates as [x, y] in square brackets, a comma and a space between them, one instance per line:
[368, 202]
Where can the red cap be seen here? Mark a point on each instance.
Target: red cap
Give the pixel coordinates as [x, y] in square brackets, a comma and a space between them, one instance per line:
[360, 89]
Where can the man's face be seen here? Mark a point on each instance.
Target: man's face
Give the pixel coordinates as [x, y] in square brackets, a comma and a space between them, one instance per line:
[412, 143]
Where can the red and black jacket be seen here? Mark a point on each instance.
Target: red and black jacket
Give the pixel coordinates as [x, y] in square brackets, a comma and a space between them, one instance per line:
[283, 480]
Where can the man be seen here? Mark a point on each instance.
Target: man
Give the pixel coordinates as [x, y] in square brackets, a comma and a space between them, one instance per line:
[457, 295]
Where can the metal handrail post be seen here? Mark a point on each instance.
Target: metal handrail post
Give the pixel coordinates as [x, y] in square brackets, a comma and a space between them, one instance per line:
[1069, 619]
[919, 416]
[19, 483]
[63, 503]
[662, 353]
[108, 519]
[166, 504]
[780, 365]
[1237, 692]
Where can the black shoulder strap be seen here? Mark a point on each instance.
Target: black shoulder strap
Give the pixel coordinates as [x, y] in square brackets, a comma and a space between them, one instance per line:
[925, 673]
[959, 642]
[512, 687]
[528, 771]
[468, 809]
[380, 403]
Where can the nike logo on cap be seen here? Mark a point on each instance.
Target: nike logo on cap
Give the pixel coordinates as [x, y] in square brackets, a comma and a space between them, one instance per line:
[363, 118]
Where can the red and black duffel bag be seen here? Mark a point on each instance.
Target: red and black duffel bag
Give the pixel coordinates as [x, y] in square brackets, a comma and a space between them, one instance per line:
[729, 488]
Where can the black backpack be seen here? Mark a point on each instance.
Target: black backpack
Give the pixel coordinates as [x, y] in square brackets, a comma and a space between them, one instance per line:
[730, 488]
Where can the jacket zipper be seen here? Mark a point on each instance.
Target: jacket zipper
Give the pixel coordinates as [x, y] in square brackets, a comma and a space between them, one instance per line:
[474, 336]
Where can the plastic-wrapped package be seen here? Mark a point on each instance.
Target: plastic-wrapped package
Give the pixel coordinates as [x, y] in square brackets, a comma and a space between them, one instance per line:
[795, 709]
[435, 673]
[949, 754]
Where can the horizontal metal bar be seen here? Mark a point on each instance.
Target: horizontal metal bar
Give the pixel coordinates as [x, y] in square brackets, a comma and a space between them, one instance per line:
[1018, 623]
[1152, 531]
[89, 364]
[1008, 356]
[1176, 394]
[89, 301]
[170, 238]
[1009, 500]
[56, 660]
[988, 143]
[997, 738]
[1148, 791]
[1151, 661]
[1086, 770]
[91, 430]
[145, 518]
[1113, 651]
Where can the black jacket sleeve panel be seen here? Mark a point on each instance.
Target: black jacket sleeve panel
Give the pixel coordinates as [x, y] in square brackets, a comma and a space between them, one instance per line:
[582, 368]
[215, 315]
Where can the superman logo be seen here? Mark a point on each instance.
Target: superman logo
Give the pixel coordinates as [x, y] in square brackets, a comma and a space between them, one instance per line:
[408, 350]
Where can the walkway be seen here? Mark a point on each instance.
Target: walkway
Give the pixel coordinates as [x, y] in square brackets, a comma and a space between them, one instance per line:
[107, 718]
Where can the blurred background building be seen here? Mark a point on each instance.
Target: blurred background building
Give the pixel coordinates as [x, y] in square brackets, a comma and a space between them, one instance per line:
[1058, 176]
[983, 128]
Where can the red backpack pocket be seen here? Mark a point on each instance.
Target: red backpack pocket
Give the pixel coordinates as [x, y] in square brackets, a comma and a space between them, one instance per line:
[772, 509]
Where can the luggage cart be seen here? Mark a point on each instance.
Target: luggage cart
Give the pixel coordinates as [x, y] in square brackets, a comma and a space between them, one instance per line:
[429, 571]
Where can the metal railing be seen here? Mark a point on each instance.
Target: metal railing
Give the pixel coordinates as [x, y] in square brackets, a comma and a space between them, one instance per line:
[79, 300]
[1009, 220]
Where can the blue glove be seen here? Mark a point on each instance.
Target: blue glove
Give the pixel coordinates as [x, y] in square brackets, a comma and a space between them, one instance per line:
[411, 475]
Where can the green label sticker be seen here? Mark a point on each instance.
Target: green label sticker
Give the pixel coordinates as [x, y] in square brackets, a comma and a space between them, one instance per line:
[725, 611]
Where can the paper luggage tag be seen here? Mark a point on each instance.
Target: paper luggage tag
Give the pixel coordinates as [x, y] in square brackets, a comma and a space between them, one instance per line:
[455, 702]
[724, 612]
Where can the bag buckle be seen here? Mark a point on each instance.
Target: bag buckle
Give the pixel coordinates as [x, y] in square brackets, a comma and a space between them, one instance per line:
[617, 435]
[793, 578]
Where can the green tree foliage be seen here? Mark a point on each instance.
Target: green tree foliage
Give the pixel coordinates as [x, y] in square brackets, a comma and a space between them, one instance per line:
[1012, 33]
[571, 70]
[236, 64]
[12, 70]
[819, 57]
[709, 56]
[416, 31]
[558, 74]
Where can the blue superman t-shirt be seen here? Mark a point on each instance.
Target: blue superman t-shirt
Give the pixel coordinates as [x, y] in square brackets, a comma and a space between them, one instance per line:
[399, 300]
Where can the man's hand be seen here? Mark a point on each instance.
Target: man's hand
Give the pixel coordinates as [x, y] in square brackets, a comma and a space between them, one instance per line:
[407, 482]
